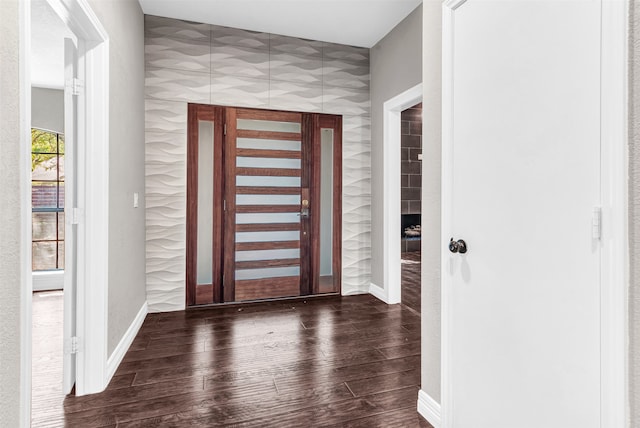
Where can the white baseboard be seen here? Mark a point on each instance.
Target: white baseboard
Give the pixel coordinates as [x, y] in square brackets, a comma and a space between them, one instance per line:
[429, 409]
[48, 280]
[118, 354]
[355, 292]
[378, 292]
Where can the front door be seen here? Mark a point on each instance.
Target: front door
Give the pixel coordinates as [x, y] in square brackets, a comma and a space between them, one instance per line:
[521, 174]
[261, 199]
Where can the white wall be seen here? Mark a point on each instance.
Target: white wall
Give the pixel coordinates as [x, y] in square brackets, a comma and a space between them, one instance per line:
[634, 214]
[124, 22]
[47, 109]
[10, 217]
[396, 65]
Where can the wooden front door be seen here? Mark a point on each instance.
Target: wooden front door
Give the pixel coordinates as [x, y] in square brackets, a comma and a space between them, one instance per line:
[273, 190]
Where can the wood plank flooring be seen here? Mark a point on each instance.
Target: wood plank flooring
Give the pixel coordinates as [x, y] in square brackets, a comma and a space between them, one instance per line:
[46, 369]
[339, 362]
[410, 291]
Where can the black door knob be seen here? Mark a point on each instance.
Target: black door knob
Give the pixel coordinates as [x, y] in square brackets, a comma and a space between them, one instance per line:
[458, 246]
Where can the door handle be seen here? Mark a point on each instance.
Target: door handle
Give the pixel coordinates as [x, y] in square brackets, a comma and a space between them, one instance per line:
[304, 210]
[458, 246]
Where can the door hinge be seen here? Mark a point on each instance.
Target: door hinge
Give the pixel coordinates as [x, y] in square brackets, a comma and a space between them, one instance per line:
[72, 346]
[596, 223]
[224, 205]
[76, 86]
[76, 215]
[225, 129]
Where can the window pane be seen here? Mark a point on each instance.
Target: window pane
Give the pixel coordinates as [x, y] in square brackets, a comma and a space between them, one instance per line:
[243, 162]
[205, 202]
[60, 254]
[61, 226]
[61, 167]
[263, 180]
[44, 226]
[265, 144]
[47, 174]
[61, 195]
[243, 256]
[268, 125]
[44, 195]
[326, 203]
[44, 255]
[267, 273]
[268, 199]
[248, 218]
[43, 141]
[285, 235]
[44, 167]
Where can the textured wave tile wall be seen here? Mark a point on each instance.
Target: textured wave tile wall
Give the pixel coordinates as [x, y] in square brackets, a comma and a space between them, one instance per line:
[191, 62]
[356, 204]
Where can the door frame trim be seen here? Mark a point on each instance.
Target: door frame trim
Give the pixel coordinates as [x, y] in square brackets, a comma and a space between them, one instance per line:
[93, 181]
[614, 197]
[392, 272]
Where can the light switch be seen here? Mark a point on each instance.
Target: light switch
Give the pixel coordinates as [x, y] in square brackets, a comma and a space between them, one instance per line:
[419, 156]
[135, 200]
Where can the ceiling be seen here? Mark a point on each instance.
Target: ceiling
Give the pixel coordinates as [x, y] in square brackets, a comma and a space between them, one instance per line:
[47, 46]
[350, 22]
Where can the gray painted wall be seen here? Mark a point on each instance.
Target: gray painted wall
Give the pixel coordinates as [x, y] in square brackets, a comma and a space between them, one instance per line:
[396, 65]
[47, 109]
[10, 275]
[431, 172]
[124, 22]
[634, 214]
[200, 63]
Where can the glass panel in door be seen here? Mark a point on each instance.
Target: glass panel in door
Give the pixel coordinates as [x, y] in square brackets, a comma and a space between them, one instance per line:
[326, 210]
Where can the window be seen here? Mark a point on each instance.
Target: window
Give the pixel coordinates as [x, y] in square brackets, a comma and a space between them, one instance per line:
[47, 198]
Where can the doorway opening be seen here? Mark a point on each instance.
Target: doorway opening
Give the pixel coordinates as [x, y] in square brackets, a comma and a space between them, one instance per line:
[393, 229]
[411, 205]
[264, 204]
[48, 261]
[53, 371]
[82, 55]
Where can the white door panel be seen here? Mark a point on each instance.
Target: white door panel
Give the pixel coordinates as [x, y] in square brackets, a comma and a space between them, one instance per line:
[524, 167]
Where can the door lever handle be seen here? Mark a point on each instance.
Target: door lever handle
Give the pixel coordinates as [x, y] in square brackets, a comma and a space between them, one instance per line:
[458, 246]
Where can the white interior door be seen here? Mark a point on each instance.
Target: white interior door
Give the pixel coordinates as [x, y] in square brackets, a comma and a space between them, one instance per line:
[521, 167]
[70, 271]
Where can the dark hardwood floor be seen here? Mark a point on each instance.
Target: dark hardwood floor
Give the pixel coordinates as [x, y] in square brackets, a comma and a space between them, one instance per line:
[341, 362]
[410, 291]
